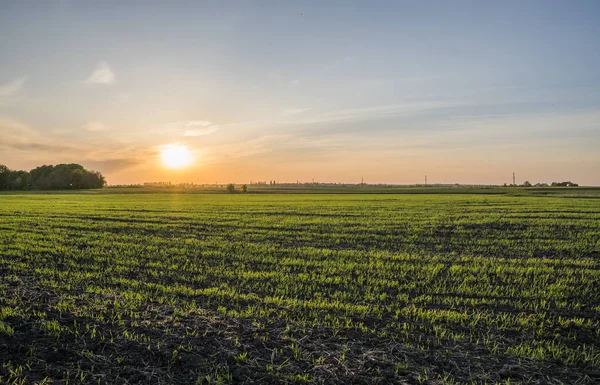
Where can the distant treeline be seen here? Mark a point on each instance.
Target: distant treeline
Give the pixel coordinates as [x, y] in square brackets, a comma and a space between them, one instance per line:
[553, 184]
[60, 177]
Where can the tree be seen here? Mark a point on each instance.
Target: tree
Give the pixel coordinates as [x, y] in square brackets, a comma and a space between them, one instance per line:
[244, 188]
[231, 188]
[4, 177]
[93, 179]
[19, 180]
[77, 179]
[48, 177]
[526, 184]
[565, 184]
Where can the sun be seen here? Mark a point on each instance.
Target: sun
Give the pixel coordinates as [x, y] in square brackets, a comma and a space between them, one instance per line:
[176, 156]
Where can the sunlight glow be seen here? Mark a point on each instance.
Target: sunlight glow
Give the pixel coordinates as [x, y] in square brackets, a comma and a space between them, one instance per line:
[176, 156]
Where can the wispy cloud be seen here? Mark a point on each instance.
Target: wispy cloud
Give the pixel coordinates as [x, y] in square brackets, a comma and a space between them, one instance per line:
[19, 136]
[192, 127]
[103, 74]
[480, 116]
[95, 126]
[376, 112]
[422, 78]
[11, 91]
[201, 131]
[308, 116]
[247, 148]
[286, 148]
[337, 63]
[13, 87]
[188, 124]
[436, 136]
[123, 97]
[23, 142]
[540, 126]
[294, 111]
[113, 165]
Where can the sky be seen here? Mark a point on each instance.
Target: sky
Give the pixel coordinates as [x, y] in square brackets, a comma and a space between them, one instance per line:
[390, 91]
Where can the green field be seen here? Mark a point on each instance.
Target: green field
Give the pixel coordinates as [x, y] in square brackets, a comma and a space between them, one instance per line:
[300, 288]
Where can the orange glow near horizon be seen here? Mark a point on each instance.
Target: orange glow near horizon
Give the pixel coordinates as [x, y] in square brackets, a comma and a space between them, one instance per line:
[175, 156]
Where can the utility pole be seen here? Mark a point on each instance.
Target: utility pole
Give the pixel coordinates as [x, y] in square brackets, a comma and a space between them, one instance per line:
[514, 183]
[425, 180]
[362, 181]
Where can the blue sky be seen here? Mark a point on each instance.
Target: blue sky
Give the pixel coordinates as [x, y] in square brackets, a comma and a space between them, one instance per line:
[464, 91]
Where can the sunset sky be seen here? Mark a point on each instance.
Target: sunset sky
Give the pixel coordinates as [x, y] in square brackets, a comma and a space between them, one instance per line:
[463, 91]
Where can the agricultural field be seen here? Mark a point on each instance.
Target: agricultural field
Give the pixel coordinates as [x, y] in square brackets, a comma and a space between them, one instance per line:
[164, 288]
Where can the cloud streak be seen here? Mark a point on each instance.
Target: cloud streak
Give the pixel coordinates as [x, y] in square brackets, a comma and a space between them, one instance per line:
[13, 87]
[10, 92]
[294, 111]
[22, 142]
[192, 128]
[19, 136]
[113, 165]
[376, 112]
[248, 148]
[201, 131]
[103, 74]
[95, 126]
